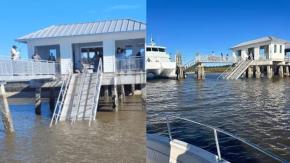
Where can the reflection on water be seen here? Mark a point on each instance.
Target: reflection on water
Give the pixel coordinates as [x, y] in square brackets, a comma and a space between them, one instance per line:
[257, 110]
[114, 136]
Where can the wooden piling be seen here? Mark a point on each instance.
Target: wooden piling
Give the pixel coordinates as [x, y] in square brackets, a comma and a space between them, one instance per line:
[106, 92]
[200, 74]
[51, 99]
[38, 101]
[5, 112]
[123, 92]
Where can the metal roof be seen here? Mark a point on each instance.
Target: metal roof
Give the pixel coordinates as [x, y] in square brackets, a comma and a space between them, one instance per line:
[259, 40]
[93, 28]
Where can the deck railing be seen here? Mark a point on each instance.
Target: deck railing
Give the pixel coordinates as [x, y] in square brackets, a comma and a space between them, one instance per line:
[130, 64]
[27, 68]
[218, 130]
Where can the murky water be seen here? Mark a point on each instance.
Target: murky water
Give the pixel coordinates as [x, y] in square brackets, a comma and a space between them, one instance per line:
[114, 136]
[257, 110]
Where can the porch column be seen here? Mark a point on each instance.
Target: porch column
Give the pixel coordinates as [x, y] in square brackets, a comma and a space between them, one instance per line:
[66, 57]
[257, 53]
[109, 55]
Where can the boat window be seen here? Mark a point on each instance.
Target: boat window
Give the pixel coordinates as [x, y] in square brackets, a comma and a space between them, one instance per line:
[148, 49]
[161, 50]
[155, 49]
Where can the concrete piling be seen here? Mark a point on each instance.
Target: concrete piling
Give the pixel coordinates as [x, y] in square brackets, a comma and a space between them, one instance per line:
[200, 74]
[286, 71]
[106, 92]
[123, 92]
[258, 72]
[38, 101]
[5, 112]
[250, 72]
[133, 89]
[280, 70]
[269, 71]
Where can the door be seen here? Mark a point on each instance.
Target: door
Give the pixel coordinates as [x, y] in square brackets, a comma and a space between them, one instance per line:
[90, 57]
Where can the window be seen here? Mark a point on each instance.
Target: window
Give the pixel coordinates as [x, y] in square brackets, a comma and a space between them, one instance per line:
[148, 49]
[280, 48]
[275, 48]
[155, 49]
[161, 50]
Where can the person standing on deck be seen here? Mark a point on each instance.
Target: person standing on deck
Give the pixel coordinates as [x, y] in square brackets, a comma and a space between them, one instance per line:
[51, 57]
[36, 57]
[15, 55]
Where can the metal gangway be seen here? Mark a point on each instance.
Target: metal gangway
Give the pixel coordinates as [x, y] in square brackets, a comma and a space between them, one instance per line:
[27, 69]
[216, 131]
[236, 70]
[79, 96]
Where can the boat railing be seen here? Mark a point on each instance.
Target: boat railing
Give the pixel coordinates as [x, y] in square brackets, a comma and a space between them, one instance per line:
[132, 63]
[218, 130]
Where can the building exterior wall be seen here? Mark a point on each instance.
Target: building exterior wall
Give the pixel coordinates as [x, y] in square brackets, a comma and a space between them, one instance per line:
[66, 49]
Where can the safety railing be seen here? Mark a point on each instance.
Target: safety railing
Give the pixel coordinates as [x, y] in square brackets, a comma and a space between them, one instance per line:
[27, 68]
[218, 130]
[214, 59]
[97, 91]
[130, 64]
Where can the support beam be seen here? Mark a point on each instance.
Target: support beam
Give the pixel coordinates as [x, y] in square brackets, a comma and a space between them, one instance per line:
[38, 100]
[123, 92]
[200, 74]
[5, 112]
[52, 99]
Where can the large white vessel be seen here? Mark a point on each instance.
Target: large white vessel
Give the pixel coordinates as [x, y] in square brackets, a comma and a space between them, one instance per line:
[158, 63]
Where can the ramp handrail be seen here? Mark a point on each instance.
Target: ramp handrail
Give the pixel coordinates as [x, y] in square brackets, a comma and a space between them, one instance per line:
[97, 91]
[216, 130]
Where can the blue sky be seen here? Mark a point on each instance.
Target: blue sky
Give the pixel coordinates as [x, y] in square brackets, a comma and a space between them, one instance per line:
[203, 26]
[19, 17]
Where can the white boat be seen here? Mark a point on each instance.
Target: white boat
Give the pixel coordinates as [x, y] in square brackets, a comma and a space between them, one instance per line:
[158, 63]
[161, 149]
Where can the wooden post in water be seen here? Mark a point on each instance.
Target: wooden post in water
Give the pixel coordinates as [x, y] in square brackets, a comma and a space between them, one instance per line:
[5, 112]
[123, 92]
[38, 100]
[115, 96]
[200, 74]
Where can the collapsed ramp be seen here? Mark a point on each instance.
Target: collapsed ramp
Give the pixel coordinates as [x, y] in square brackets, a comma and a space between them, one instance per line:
[78, 97]
[235, 71]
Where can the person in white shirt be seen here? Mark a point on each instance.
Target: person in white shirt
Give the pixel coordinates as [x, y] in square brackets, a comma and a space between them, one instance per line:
[36, 57]
[14, 53]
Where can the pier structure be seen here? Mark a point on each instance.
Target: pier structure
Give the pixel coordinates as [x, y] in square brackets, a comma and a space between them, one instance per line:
[199, 62]
[264, 57]
[99, 61]
[91, 62]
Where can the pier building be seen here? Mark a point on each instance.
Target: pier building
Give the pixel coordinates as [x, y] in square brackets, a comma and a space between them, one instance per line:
[87, 60]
